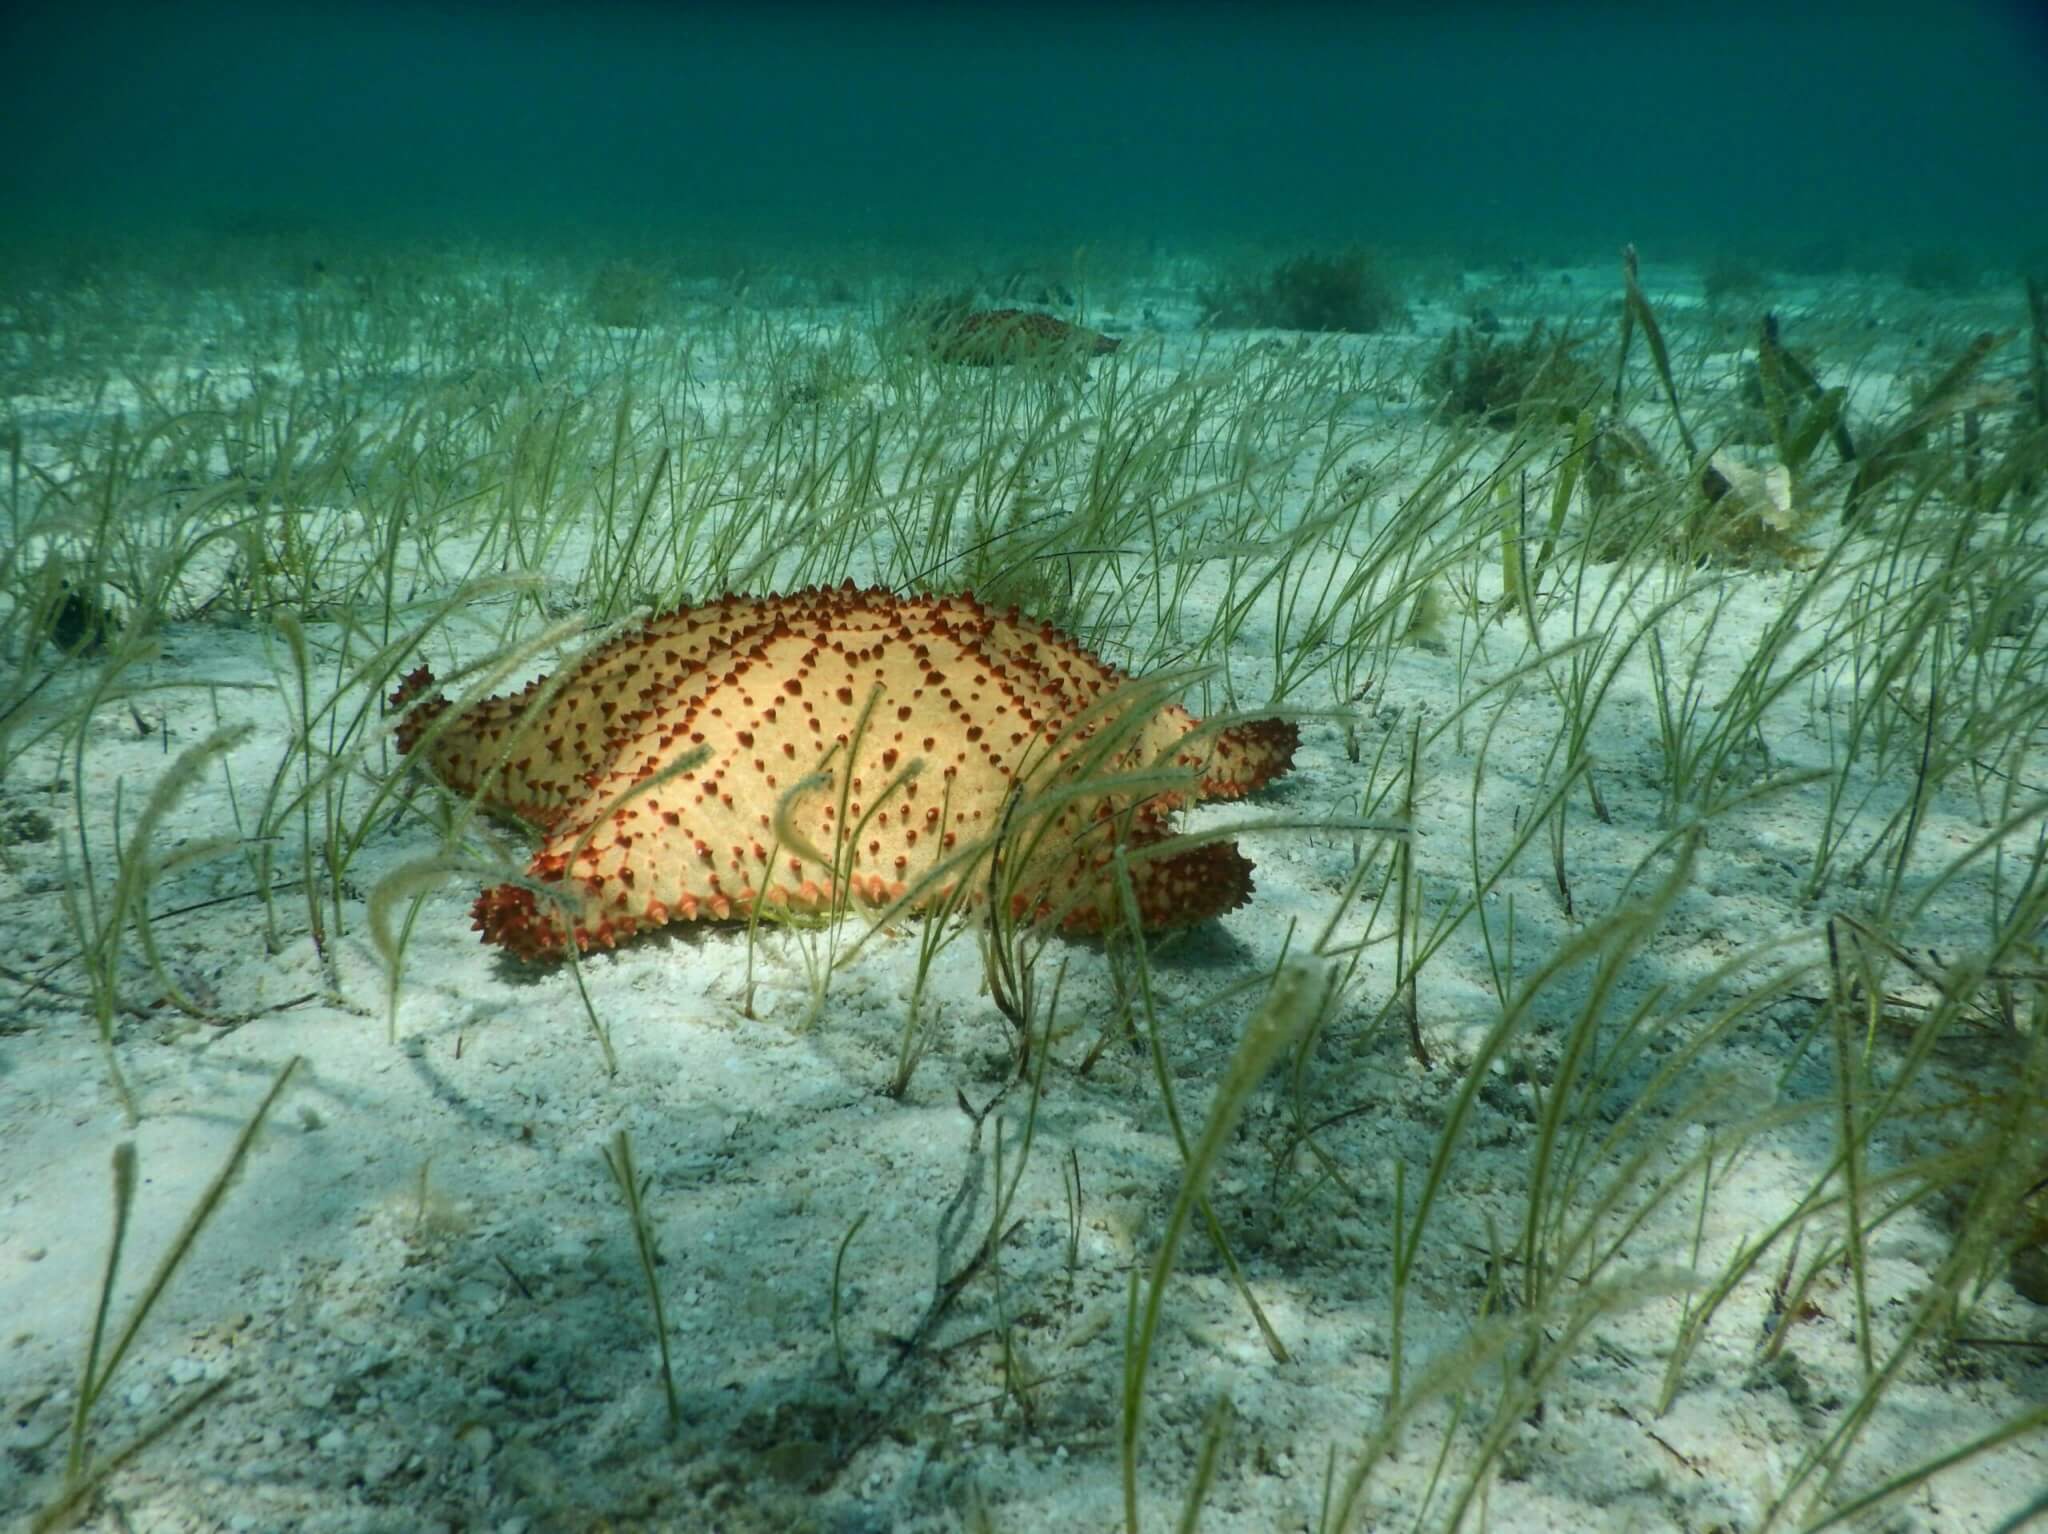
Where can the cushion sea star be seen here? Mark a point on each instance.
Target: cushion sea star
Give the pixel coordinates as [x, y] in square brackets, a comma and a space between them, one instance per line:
[856, 748]
[984, 337]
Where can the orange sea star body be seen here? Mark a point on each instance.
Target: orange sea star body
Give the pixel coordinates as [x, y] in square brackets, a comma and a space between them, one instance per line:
[859, 748]
[985, 337]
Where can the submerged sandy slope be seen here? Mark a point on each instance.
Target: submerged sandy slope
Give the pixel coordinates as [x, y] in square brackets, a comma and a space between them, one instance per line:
[423, 1292]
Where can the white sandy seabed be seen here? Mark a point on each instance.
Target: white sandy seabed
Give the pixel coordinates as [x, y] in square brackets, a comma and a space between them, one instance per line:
[424, 1298]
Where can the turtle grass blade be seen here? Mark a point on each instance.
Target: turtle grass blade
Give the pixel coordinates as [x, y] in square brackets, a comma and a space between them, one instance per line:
[1946, 395]
[1636, 308]
[60, 1512]
[1777, 366]
[1300, 991]
[99, 1370]
[2037, 346]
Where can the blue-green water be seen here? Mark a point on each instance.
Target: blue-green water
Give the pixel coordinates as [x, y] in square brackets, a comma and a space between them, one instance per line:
[1540, 130]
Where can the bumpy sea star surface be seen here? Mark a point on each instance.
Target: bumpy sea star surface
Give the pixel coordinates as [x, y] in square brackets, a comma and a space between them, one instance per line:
[984, 337]
[857, 749]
